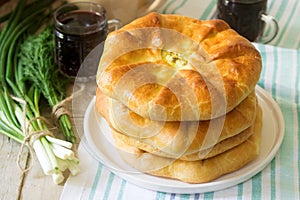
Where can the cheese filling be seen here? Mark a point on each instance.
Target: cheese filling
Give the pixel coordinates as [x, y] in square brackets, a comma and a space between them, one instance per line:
[175, 60]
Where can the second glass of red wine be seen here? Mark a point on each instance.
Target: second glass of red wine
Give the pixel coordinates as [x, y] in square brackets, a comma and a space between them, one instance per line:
[249, 19]
[79, 28]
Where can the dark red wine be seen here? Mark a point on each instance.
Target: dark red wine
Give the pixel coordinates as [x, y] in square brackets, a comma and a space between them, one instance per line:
[80, 32]
[244, 17]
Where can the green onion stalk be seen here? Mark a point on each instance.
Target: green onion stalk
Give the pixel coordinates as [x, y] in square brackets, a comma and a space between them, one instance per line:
[54, 155]
[20, 117]
[36, 57]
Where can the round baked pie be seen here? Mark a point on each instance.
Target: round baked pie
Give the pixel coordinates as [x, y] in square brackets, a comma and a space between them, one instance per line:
[179, 96]
[199, 171]
[187, 140]
[174, 68]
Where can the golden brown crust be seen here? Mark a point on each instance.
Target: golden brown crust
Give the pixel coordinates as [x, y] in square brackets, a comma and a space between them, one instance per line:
[218, 148]
[216, 67]
[177, 138]
[194, 171]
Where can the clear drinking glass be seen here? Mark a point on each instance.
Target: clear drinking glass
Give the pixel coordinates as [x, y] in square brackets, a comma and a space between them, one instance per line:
[79, 27]
[249, 19]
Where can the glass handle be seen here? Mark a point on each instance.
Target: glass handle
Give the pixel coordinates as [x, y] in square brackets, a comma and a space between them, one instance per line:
[271, 28]
[113, 25]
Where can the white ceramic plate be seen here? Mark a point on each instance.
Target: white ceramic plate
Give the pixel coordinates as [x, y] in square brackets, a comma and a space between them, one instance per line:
[99, 144]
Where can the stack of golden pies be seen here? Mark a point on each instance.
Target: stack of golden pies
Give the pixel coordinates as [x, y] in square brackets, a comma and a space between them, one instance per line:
[179, 96]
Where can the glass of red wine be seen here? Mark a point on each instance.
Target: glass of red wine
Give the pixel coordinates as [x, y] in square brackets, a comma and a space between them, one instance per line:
[79, 28]
[249, 19]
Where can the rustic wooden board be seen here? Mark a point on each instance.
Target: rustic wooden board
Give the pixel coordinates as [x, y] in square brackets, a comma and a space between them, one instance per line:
[10, 175]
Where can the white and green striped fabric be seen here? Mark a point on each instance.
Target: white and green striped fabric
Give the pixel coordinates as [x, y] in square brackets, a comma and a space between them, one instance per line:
[287, 13]
[280, 77]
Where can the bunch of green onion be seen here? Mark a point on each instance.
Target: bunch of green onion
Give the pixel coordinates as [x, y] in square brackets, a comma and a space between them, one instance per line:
[27, 73]
[54, 155]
